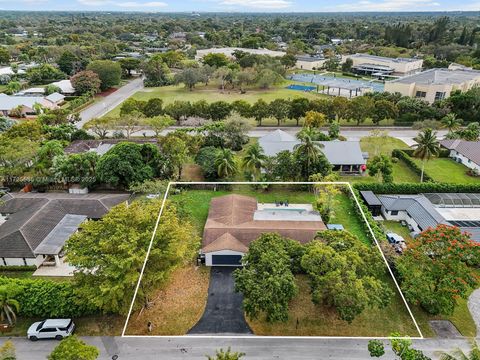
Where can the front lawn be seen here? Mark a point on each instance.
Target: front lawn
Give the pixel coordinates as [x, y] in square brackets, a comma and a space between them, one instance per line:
[177, 307]
[448, 171]
[308, 319]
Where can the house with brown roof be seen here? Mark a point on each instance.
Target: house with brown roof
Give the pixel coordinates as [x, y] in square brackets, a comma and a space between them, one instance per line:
[234, 221]
[464, 152]
[35, 226]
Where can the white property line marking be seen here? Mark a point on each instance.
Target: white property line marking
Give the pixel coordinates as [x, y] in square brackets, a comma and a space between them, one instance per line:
[421, 337]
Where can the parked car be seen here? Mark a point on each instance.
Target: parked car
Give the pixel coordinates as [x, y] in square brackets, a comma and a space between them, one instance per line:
[51, 329]
[397, 241]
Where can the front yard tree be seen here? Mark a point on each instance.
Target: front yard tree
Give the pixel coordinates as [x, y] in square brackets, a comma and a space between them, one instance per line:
[109, 253]
[345, 274]
[226, 164]
[266, 281]
[129, 64]
[253, 160]
[9, 307]
[72, 348]
[76, 168]
[176, 152]
[86, 82]
[426, 147]
[381, 165]
[109, 72]
[159, 123]
[308, 154]
[436, 269]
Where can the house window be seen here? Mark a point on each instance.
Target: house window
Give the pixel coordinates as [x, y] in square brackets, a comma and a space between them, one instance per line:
[394, 212]
[421, 94]
[439, 95]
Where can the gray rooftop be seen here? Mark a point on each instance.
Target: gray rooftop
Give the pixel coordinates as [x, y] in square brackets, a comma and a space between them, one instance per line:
[33, 216]
[8, 103]
[440, 77]
[370, 198]
[469, 149]
[337, 152]
[382, 58]
[55, 240]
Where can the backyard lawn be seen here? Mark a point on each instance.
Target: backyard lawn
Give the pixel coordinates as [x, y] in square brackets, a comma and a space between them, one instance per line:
[447, 170]
[308, 319]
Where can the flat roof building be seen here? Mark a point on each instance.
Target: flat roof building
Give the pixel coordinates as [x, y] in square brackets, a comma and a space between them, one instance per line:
[435, 84]
[371, 64]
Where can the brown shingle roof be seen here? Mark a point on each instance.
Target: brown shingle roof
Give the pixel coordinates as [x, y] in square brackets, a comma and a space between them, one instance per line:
[233, 215]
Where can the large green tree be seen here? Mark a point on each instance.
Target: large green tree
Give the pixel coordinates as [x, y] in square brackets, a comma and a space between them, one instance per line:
[226, 164]
[266, 280]
[426, 147]
[86, 82]
[109, 253]
[253, 160]
[76, 168]
[345, 274]
[109, 72]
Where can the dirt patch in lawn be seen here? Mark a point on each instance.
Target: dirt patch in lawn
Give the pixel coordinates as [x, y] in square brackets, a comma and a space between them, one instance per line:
[308, 319]
[177, 307]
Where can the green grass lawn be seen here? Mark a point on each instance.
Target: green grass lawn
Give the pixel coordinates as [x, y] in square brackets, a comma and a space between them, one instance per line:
[212, 93]
[447, 170]
[396, 227]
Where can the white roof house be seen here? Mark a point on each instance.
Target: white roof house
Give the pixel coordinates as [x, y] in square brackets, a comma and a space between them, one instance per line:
[338, 153]
[55, 98]
[8, 103]
[65, 86]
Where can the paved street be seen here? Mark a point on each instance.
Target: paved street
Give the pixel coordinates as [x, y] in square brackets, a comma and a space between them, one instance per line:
[255, 348]
[110, 102]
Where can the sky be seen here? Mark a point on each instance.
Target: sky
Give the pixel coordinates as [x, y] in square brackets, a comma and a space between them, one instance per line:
[243, 5]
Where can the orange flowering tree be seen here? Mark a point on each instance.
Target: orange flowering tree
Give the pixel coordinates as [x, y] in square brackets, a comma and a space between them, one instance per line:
[437, 268]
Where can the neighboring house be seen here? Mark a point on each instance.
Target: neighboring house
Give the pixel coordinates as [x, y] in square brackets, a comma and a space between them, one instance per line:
[435, 84]
[379, 65]
[65, 87]
[345, 156]
[25, 103]
[38, 224]
[7, 70]
[100, 146]
[36, 91]
[228, 51]
[234, 221]
[308, 62]
[423, 211]
[464, 152]
[56, 99]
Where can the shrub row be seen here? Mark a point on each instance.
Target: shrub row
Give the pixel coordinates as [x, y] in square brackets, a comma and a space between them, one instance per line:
[416, 188]
[444, 153]
[45, 298]
[403, 156]
[17, 268]
[377, 230]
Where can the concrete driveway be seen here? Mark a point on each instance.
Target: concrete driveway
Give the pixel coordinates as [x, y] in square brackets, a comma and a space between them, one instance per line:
[224, 313]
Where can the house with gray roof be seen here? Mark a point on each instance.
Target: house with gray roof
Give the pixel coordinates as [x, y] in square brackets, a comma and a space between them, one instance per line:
[36, 226]
[345, 156]
[26, 104]
[423, 211]
[464, 152]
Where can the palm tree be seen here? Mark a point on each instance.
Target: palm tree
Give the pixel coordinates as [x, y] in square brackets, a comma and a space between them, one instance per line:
[451, 122]
[226, 164]
[427, 146]
[8, 306]
[254, 159]
[308, 150]
[458, 354]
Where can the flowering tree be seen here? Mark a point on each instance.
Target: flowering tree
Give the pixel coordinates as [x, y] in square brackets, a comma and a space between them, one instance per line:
[436, 269]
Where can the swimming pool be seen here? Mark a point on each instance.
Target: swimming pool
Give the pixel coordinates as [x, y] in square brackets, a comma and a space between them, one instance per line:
[324, 78]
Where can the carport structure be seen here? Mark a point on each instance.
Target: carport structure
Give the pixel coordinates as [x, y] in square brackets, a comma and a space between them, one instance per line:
[341, 87]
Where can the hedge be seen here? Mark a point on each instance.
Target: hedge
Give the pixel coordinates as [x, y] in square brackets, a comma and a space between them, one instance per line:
[403, 156]
[417, 188]
[377, 230]
[46, 298]
[443, 153]
[29, 268]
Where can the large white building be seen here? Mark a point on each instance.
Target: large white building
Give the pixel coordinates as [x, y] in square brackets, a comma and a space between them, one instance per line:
[435, 84]
[376, 65]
